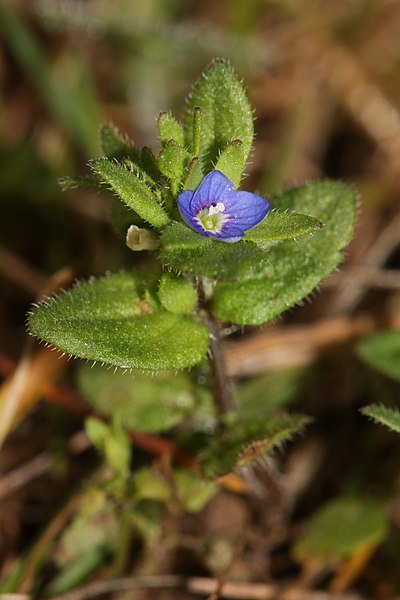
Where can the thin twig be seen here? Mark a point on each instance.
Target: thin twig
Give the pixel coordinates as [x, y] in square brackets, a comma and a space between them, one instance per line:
[24, 474]
[43, 543]
[202, 586]
[21, 273]
[124, 584]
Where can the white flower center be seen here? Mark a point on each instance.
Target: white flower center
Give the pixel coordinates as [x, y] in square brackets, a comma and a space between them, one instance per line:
[213, 217]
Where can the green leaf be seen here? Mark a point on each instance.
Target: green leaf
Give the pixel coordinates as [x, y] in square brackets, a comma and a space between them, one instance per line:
[193, 492]
[340, 528]
[231, 161]
[197, 130]
[140, 402]
[194, 175]
[176, 294]
[80, 181]
[93, 526]
[279, 226]
[86, 541]
[260, 396]
[149, 164]
[184, 250]
[247, 441]
[389, 417]
[10, 583]
[112, 442]
[109, 320]
[132, 191]
[381, 351]
[149, 485]
[225, 110]
[117, 146]
[292, 269]
[77, 572]
[173, 161]
[170, 129]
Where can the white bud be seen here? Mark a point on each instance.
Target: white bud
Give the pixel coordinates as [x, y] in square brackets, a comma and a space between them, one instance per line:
[141, 239]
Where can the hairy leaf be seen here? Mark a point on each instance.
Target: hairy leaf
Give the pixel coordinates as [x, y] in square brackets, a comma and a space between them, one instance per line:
[185, 250]
[225, 111]
[247, 441]
[170, 129]
[279, 226]
[177, 294]
[110, 320]
[80, 181]
[117, 146]
[389, 417]
[231, 161]
[294, 267]
[132, 191]
[173, 161]
[194, 175]
[149, 165]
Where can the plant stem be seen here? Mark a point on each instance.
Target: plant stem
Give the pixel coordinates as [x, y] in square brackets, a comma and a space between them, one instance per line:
[222, 387]
[124, 540]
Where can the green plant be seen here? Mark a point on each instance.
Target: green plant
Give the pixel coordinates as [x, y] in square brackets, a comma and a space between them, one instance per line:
[217, 255]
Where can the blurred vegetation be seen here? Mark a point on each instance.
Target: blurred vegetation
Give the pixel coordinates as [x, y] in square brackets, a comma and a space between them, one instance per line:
[122, 496]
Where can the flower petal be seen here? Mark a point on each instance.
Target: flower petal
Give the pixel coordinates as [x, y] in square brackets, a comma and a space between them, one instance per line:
[214, 188]
[248, 210]
[230, 234]
[184, 200]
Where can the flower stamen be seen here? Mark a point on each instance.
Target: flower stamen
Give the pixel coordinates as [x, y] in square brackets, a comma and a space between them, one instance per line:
[212, 218]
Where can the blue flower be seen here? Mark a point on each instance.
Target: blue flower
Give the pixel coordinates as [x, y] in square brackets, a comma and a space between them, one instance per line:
[217, 210]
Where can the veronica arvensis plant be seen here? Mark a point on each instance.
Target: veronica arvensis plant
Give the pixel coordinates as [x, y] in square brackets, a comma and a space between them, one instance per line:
[185, 201]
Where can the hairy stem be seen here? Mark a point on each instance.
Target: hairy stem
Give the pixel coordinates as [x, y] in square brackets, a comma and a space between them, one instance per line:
[222, 387]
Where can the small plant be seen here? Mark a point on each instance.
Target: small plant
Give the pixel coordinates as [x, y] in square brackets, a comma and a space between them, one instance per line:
[220, 255]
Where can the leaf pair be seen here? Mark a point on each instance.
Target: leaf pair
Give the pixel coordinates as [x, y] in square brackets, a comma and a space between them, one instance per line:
[103, 320]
